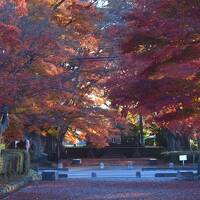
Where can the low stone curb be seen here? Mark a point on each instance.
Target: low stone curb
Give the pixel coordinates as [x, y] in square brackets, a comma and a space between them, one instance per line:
[167, 168]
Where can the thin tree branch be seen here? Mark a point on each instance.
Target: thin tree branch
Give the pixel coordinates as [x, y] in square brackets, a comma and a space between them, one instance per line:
[57, 5]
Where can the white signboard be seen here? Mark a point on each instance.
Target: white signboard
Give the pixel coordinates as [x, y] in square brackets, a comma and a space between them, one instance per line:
[183, 157]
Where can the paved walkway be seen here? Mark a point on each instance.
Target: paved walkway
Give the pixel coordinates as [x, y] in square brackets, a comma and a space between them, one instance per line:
[113, 172]
[109, 190]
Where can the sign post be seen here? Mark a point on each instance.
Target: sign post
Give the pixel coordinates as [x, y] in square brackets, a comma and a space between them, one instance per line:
[183, 158]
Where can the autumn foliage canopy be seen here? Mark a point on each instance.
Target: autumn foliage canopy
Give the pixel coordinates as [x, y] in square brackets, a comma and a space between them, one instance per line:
[46, 86]
[158, 75]
[41, 82]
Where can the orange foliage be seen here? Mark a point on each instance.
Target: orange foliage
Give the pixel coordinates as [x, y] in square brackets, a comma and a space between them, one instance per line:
[36, 85]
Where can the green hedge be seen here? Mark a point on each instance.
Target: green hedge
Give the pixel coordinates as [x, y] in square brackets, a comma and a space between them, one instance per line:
[15, 162]
[173, 156]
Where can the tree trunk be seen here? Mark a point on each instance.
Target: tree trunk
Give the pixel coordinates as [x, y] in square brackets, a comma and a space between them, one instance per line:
[198, 168]
[58, 148]
[60, 139]
[4, 120]
[170, 140]
[141, 137]
[185, 141]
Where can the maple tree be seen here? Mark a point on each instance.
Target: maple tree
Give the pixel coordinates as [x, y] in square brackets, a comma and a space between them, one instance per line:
[41, 84]
[158, 75]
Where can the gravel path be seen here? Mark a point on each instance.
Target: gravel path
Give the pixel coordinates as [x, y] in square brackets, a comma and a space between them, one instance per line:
[111, 190]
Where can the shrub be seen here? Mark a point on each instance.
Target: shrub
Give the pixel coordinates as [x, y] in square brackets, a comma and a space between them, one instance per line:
[15, 162]
[173, 156]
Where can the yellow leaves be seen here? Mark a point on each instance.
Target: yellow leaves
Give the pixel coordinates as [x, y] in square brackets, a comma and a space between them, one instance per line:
[44, 68]
[70, 138]
[50, 103]
[69, 50]
[44, 133]
[73, 137]
[196, 103]
[50, 2]
[170, 109]
[52, 131]
[34, 128]
[35, 107]
[98, 98]
[93, 131]
[140, 49]
[90, 43]
[195, 37]
[58, 105]
[62, 19]
[132, 118]
[81, 136]
[35, 3]
[99, 101]
[71, 109]
[20, 109]
[53, 70]
[68, 12]
[197, 99]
